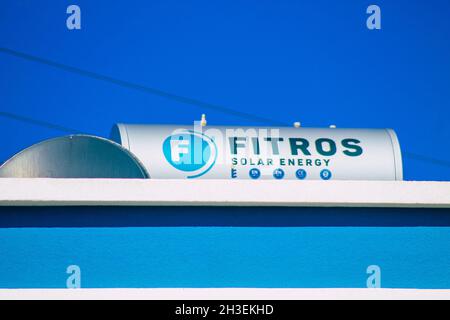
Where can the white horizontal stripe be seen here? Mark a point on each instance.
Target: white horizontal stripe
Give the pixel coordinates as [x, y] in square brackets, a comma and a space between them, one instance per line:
[224, 294]
[224, 193]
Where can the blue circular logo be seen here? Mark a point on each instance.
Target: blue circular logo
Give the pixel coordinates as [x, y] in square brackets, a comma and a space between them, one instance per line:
[254, 173]
[191, 152]
[325, 174]
[301, 174]
[278, 174]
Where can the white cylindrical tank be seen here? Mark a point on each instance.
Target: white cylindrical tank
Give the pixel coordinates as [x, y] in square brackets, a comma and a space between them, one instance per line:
[222, 152]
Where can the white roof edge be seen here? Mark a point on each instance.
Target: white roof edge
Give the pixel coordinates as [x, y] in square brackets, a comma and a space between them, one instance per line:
[224, 294]
[152, 192]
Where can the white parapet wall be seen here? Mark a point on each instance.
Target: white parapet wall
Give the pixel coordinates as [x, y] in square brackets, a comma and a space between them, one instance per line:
[223, 294]
[108, 192]
[97, 192]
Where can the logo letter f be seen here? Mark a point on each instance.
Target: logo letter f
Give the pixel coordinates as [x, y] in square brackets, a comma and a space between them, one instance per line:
[179, 147]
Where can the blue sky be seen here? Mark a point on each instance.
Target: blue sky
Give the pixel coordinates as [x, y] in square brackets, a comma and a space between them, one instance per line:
[310, 61]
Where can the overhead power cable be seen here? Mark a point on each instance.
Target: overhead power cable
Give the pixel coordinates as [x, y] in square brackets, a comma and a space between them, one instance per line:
[37, 122]
[423, 158]
[142, 88]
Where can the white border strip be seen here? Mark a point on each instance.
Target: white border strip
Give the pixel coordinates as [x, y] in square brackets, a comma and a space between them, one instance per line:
[223, 294]
[148, 192]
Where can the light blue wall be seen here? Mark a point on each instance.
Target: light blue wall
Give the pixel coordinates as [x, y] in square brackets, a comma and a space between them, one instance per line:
[146, 253]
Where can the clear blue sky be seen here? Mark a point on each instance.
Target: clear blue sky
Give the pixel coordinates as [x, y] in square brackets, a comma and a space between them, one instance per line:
[313, 61]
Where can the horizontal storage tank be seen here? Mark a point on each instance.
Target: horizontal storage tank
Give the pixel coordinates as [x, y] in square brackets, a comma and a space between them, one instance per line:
[222, 152]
